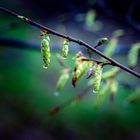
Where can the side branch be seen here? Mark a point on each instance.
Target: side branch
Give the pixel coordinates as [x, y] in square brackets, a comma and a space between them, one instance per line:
[80, 42]
[78, 97]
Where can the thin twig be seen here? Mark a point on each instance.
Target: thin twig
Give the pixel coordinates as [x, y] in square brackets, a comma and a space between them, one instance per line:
[78, 97]
[80, 42]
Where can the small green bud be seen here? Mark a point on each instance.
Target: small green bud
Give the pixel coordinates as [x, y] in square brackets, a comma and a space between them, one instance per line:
[102, 41]
[23, 18]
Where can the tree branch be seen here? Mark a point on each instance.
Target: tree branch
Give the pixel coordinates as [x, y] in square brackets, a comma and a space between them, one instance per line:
[80, 42]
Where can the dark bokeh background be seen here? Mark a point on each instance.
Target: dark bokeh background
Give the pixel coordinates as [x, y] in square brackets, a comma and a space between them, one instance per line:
[27, 90]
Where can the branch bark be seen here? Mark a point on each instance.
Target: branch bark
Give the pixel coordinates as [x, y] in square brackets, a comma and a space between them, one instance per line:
[80, 42]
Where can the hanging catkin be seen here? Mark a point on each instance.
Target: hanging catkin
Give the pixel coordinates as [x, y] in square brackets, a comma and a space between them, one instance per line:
[45, 50]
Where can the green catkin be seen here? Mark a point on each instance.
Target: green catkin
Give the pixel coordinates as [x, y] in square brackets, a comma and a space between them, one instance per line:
[133, 54]
[45, 50]
[65, 48]
[97, 78]
[62, 79]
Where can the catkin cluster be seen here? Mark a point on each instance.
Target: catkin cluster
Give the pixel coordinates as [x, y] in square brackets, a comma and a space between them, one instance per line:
[45, 49]
[93, 69]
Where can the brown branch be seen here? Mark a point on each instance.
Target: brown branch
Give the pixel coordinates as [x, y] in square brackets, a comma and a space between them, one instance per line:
[80, 42]
[78, 97]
